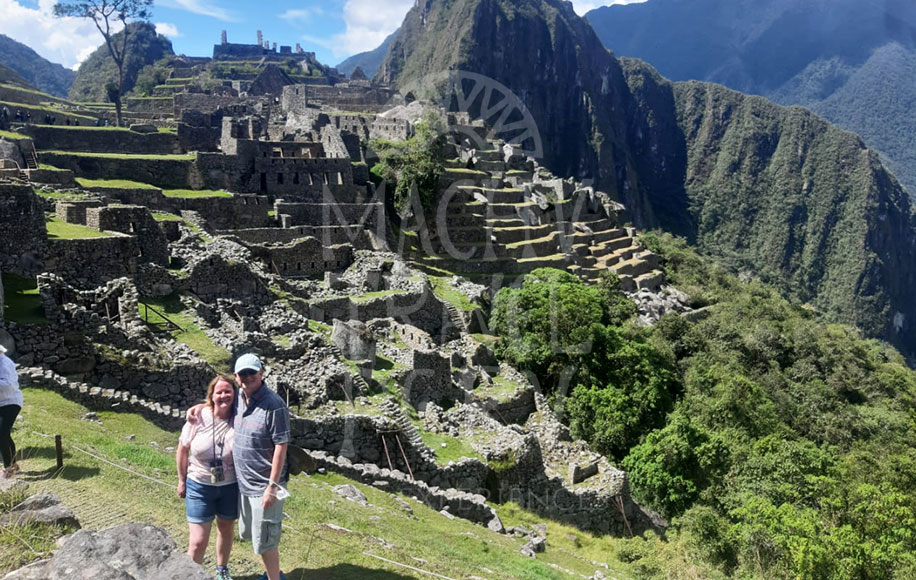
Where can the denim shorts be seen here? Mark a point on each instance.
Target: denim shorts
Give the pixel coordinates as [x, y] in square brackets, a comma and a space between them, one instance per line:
[204, 502]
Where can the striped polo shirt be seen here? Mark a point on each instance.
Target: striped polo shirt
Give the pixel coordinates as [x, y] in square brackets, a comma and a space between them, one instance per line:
[261, 423]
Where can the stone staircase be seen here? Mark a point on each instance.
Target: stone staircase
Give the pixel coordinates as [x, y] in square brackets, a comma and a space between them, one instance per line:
[31, 156]
[495, 224]
[392, 411]
[455, 316]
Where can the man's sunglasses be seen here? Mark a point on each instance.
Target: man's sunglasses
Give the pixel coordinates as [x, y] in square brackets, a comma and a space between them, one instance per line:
[247, 372]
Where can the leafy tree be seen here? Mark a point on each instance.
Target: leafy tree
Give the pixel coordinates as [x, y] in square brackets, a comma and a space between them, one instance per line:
[417, 161]
[105, 14]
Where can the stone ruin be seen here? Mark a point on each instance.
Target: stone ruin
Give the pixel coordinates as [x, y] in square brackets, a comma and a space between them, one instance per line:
[285, 247]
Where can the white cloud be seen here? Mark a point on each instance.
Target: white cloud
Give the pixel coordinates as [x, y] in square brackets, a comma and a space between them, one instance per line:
[202, 7]
[67, 41]
[300, 15]
[368, 23]
[167, 29]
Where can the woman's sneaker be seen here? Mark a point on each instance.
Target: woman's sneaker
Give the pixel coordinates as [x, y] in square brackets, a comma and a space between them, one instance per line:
[222, 573]
[264, 576]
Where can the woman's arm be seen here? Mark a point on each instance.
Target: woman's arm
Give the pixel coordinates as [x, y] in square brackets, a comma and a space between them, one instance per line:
[181, 459]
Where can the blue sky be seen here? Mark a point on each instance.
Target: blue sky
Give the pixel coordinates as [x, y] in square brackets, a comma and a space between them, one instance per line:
[334, 29]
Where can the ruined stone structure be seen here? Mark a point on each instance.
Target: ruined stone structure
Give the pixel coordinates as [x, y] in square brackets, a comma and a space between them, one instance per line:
[22, 230]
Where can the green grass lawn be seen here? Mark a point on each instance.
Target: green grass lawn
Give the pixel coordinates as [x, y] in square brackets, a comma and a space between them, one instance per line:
[13, 135]
[193, 193]
[113, 183]
[161, 216]
[190, 334]
[447, 293]
[21, 303]
[367, 542]
[61, 230]
[178, 157]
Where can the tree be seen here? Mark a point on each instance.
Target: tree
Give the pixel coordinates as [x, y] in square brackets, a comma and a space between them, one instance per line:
[104, 14]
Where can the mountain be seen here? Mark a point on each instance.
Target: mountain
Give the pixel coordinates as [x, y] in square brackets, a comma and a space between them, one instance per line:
[851, 61]
[770, 190]
[45, 75]
[370, 60]
[11, 77]
[144, 47]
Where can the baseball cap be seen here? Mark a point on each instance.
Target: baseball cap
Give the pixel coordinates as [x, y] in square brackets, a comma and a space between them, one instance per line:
[248, 361]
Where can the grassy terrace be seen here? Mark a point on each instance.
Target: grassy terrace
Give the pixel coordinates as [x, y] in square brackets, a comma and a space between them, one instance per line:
[375, 295]
[161, 216]
[179, 157]
[13, 135]
[444, 291]
[58, 196]
[195, 193]
[61, 230]
[189, 333]
[113, 183]
[21, 303]
[310, 548]
[50, 110]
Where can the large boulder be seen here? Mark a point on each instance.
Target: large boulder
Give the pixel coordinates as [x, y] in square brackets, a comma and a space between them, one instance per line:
[126, 552]
[354, 340]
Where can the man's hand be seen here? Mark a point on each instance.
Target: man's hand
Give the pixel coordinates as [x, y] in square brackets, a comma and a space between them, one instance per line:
[194, 413]
[181, 489]
[269, 498]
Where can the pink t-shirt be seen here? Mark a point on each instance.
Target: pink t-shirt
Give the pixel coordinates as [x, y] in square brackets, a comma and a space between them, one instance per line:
[208, 439]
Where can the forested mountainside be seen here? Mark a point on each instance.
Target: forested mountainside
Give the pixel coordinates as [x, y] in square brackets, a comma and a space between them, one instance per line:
[369, 61]
[47, 76]
[773, 191]
[144, 47]
[851, 61]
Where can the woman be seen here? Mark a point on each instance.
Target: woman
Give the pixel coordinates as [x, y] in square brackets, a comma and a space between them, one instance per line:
[206, 474]
[10, 405]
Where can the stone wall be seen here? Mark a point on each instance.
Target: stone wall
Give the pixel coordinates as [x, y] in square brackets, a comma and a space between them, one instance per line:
[357, 98]
[22, 230]
[165, 173]
[327, 235]
[88, 263]
[368, 215]
[102, 140]
[157, 105]
[303, 258]
[215, 277]
[135, 220]
[390, 129]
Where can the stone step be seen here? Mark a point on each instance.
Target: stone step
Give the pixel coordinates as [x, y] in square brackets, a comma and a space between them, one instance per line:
[497, 195]
[611, 246]
[651, 280]
[518, 234]
[632, 267]
[495, 166]
[546, 246]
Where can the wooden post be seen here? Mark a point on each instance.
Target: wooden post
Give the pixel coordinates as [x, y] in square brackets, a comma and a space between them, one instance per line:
[59, 450]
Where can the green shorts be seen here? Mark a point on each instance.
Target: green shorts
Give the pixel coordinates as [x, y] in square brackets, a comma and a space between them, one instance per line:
[261, 526]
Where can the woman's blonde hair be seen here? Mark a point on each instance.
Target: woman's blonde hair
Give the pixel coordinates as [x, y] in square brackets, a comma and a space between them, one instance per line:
[212, 386]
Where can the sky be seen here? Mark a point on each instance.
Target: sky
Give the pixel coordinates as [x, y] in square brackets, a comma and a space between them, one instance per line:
[333, 29]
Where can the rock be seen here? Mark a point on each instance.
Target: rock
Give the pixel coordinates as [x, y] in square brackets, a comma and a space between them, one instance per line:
[496, 524]
[446, 513]
[541, 530]
[354, 340]
[350, 492]
[300, 461]
[42, 508]
[536, 545]
[126, 552]
[91, 416]
[7, 340]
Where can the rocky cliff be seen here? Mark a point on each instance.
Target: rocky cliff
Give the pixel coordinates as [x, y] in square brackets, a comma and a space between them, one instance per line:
[772, 190]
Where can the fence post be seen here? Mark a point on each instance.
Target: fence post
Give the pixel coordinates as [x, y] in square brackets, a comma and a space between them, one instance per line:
[59, 451]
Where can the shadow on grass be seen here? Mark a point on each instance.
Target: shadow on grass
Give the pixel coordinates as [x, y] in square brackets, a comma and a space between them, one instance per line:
[69, 472]
[337, 572]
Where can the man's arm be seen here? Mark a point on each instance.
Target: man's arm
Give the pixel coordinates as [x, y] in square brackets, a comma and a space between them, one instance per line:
[194, 413]
[276, 470]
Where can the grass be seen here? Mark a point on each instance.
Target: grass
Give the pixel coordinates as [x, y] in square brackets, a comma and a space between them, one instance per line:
[113, 183]
[448, 448]
[501, 389]
[61, 230]
[21, 303]
[20, 544]
[50, 110]
[58, 196]
[374, 295]
[309, 548]
[190, 334]
[84, 127]
[195, 193]
[181, 157]
[14, 136]
[161, 216]
[446, 292]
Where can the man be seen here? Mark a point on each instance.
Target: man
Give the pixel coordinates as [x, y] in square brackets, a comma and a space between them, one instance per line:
[259, 453]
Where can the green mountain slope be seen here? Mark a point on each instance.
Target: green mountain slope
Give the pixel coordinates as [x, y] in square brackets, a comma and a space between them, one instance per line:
[850, 61]
[775, 191]
[11, 77]
[47, 76]
[144, 47]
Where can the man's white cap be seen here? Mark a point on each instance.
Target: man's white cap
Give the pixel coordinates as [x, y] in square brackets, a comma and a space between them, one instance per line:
[248, 361]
